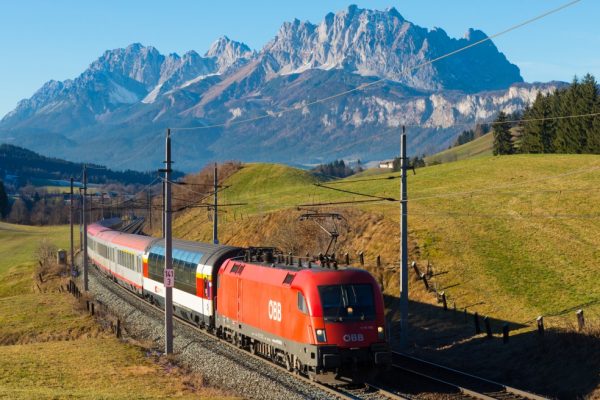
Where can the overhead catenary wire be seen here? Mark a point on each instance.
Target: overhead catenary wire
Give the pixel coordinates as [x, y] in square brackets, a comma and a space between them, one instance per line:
[356, 193]
[302, 105]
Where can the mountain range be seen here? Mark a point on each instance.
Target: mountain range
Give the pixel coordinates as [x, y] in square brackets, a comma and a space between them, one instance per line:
[117, 111]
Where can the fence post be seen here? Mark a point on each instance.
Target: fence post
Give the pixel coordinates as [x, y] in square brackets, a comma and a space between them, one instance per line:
[92, 304]
[540, 325]
[444, 303]
[378, 261]
[416, 268]
[361, 258]
[580, 320]
[488, 327]
[505, 332]
[118, 328]
[347, 258]
[476, 320]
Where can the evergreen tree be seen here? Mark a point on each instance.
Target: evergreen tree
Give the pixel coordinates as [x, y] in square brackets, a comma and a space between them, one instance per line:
[549, 126]
[502, 136]
[567, 138]
[587, 102]
[4, 205]
[594, 138]
[536, 132]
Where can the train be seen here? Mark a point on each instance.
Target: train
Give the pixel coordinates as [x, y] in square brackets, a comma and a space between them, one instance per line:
[319, 319]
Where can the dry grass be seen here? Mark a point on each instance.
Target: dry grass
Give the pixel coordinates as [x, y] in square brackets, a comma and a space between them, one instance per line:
[51, 349]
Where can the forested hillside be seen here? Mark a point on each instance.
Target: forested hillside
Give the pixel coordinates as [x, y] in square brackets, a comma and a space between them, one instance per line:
[28, 165]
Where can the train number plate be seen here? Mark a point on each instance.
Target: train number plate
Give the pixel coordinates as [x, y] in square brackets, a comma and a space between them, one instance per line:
[169, 278]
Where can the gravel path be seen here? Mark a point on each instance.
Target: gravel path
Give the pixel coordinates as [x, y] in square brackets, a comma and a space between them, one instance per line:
[220, 365]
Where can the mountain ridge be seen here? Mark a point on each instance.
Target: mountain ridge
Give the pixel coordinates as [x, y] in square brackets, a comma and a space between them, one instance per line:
[130, 95]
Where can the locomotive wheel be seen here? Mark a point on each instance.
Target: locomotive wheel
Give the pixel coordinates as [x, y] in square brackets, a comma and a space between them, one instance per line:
[253, 348]
[288, 363]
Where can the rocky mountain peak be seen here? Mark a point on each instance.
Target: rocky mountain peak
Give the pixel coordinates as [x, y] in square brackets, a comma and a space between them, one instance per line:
[136, 61]
[228, 52]
[384, 44]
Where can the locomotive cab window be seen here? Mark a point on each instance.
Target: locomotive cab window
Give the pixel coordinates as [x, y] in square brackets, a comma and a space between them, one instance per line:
[302, 303]
[347, 302]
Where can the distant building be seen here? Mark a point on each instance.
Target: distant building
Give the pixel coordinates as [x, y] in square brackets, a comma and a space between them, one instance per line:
[389, 164]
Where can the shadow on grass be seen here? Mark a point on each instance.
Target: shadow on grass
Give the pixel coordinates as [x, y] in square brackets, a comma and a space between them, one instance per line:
[562, 363]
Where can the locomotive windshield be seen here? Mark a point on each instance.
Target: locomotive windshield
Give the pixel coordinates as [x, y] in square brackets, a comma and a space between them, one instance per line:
[347, 302]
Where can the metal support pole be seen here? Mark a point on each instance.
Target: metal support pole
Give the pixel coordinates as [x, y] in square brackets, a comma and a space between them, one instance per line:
[163, 204]
[71, 226]
[91, 216]
[149, 201]
[85, 254]
[403, 245]
[102, 204]
[168, 251]
[215, 213]
[80, 220]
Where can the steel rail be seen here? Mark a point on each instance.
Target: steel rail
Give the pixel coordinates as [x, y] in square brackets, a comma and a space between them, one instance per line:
[516, 393]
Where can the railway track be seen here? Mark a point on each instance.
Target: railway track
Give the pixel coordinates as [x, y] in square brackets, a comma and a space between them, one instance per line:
[366, 392]
[421, 376]
[464, 385]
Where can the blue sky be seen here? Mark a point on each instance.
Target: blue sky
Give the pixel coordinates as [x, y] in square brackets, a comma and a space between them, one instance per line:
[43, 40]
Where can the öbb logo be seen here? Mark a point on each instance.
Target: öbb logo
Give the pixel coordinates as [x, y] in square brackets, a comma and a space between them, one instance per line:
[275, 310]
[354, 337]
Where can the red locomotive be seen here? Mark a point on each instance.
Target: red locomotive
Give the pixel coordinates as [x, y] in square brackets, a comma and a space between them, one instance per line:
[324, 322]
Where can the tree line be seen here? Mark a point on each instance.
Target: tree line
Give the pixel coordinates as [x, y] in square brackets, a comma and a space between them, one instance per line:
[28, 165]
[534, 132]
[471, 134]
[33, 207]
[337, 169]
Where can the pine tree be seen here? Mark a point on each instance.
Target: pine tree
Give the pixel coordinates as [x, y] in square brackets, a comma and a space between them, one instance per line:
[531, 133]
[549, 125]
[502, 136]
[567, 138]
[4, 205]
[586, 104]
[595, 130]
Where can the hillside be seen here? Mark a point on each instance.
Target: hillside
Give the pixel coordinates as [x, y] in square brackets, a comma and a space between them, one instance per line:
[509, 237]
[482, 146]
[29, 167]
[509, 234]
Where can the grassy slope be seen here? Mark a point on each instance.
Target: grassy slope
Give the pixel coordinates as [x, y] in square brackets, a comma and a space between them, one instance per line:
[50, 351]
[17, 247]
[506, 250]
[481, 146]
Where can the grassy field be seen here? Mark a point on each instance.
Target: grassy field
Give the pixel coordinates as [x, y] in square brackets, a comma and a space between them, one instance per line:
[511, 237]
[49, 350]
[481, 146]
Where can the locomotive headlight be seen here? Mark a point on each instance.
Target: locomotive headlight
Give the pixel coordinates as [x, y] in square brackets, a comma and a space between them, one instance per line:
[321, 335]
[380, 333]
